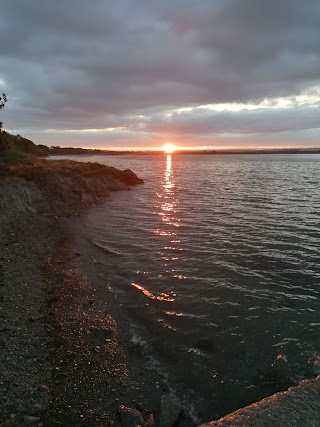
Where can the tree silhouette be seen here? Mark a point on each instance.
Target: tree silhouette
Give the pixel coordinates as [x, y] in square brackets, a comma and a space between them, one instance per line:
[3, 100]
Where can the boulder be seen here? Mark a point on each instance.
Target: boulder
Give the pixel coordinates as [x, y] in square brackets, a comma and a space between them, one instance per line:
[130, 417]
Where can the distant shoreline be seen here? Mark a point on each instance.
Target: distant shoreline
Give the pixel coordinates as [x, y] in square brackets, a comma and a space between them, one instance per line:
[86, 151]
[16, 148]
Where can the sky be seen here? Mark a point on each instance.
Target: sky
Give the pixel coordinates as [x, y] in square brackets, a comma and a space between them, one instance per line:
[139, 73]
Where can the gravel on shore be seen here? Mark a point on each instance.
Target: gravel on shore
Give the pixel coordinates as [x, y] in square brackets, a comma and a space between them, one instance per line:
[25, 245]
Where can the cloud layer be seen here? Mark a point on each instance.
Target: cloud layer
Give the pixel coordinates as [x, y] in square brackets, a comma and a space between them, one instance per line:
[135, 72]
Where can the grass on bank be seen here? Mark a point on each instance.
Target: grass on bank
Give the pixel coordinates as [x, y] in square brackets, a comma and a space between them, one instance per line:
[18, 149]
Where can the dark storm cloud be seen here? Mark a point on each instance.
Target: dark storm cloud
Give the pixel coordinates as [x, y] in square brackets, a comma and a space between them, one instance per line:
[247, 122]
[97, 64]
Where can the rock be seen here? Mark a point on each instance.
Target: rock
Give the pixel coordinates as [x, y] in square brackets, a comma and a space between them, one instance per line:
[9, 423]
[60, 186]
[17, 194]
[30, 420]
[298, 406]
[130, 417]
[130, 178]
[44, 387]
[37, 408]
[168, 413]
[139, 406]
[149, 421]
[206, 344]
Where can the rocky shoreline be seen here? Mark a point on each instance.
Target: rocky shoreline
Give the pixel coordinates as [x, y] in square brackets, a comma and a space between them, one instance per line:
[66, 358]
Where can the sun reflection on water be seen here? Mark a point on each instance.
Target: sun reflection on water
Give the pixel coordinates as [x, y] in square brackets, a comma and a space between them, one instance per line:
[168, 176]
[168, 200]
[161, 297]
[167, 210]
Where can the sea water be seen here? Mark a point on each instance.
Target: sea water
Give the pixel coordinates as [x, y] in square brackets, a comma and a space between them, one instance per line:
[215, 259]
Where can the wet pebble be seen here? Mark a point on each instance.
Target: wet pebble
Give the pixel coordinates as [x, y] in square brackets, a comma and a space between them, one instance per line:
[139, 406]
[149, 421]
[30, 420]
[37, 408]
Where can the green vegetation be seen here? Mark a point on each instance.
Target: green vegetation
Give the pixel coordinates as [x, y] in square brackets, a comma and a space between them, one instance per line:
[19, 149]
[13, 148]
[16, 148]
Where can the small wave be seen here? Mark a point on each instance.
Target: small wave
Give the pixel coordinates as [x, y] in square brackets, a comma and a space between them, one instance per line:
[105, 249]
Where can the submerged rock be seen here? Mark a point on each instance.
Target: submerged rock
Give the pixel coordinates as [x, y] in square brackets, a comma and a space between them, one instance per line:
[206, 344]
[130, 417]
[168, 413]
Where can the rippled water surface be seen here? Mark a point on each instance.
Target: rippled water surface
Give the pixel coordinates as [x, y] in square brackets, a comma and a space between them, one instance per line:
[216, 261]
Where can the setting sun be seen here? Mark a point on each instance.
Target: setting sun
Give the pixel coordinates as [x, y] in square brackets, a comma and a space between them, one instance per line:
[169, 148]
